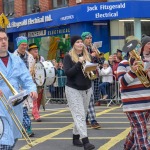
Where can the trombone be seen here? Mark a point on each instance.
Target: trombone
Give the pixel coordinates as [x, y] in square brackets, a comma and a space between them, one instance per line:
[12, 113]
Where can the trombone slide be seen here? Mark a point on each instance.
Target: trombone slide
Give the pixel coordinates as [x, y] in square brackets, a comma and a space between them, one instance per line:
[12, 113]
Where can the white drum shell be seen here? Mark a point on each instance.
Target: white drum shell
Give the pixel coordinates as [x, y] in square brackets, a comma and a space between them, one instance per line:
[45, 73]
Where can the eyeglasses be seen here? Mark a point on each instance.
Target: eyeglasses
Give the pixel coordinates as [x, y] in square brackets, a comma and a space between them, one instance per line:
[4, 38]
[88, 37]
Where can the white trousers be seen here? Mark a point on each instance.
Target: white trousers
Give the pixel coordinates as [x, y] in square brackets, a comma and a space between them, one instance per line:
[78, 101]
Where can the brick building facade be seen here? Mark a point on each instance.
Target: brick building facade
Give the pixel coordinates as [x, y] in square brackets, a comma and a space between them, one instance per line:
[100, 17]
[45, 5]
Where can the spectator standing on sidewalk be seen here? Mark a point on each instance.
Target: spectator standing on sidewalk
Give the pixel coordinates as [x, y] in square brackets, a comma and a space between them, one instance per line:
[107, 79]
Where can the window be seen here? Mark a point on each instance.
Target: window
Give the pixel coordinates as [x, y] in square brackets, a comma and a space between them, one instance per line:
[128, 28]
[60, 3]
[145, 28]
[32, 6]
[8, 6]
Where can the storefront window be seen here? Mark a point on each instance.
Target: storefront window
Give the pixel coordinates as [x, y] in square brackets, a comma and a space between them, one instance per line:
[145, 27]
[60, 3]
[52, 47]
[120, 29]
[129, 28]
[8, 6]
[33, 6]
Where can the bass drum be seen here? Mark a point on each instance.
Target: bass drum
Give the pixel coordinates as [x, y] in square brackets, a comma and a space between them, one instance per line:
[1, 127]
[45, 73]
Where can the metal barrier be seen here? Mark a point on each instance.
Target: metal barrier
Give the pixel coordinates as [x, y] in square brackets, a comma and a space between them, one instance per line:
[56, 93]
[112, 91]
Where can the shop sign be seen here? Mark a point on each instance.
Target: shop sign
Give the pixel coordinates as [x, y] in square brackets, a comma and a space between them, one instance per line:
[58, 31]
[80, 13]
[46, 32]
[30, 21]
[37, 33]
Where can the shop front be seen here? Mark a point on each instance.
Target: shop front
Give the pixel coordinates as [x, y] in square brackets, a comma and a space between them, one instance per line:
[51, 30]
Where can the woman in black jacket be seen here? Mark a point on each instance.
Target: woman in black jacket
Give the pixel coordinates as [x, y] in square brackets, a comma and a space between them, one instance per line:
[78, 90]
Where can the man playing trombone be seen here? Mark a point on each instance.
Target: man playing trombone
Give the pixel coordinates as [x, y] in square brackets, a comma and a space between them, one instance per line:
[15, 71]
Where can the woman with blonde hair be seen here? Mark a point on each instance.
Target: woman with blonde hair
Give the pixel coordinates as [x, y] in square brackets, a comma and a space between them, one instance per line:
[78, 90]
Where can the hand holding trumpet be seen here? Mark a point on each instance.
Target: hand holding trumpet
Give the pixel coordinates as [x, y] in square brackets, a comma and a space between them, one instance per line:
[81, 59]
[95, 50]
[136, 64]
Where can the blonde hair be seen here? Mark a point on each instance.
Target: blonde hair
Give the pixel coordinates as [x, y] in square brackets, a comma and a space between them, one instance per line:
[75, 57]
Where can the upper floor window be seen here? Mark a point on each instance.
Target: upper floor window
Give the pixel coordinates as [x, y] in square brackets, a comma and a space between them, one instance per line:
[60, 3]
[33, 6]
[8, 8]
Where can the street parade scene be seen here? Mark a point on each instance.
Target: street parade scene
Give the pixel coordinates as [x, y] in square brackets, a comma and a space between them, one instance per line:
[74, 75]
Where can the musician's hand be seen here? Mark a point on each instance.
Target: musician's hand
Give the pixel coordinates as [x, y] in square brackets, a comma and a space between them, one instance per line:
[1, 93]
[147, 70]
[135, 65]
[34, 95]
[94, 54]
[115, 72]
[81, 59]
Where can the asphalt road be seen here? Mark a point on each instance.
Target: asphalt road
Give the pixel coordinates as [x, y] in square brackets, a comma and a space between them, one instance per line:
[55, 130]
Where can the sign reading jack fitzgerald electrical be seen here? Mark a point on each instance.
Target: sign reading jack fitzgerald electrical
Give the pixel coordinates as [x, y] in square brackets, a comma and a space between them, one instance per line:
[84, 12]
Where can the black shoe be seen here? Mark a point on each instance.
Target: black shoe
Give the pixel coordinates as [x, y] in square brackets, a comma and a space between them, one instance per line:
[89, 146]
[38, 120]
[31, 134]
[76, 141]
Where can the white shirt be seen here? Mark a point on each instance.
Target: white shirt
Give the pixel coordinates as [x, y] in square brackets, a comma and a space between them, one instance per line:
[107, 75]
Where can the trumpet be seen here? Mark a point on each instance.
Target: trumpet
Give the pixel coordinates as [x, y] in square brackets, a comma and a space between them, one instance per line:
[12, 113]
[89, 72]
[140, 73]
[130, 47]
[95, 49]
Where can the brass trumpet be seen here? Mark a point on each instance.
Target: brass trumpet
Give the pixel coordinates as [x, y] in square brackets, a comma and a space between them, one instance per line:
[140, 73]
[89, 72]
[12, 113]
[95, 48]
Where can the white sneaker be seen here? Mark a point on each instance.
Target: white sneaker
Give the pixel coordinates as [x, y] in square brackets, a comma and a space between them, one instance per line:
[105, 96]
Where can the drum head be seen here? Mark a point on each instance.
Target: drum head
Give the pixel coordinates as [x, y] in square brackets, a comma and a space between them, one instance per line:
[39, 74]
[1, 127]
[44, 73]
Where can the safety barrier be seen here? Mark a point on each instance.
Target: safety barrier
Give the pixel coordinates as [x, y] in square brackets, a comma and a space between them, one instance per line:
[56, 93]
[109, 91]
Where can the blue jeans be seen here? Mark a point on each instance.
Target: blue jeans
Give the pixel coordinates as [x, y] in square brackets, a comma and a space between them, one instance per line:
[103, 88]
